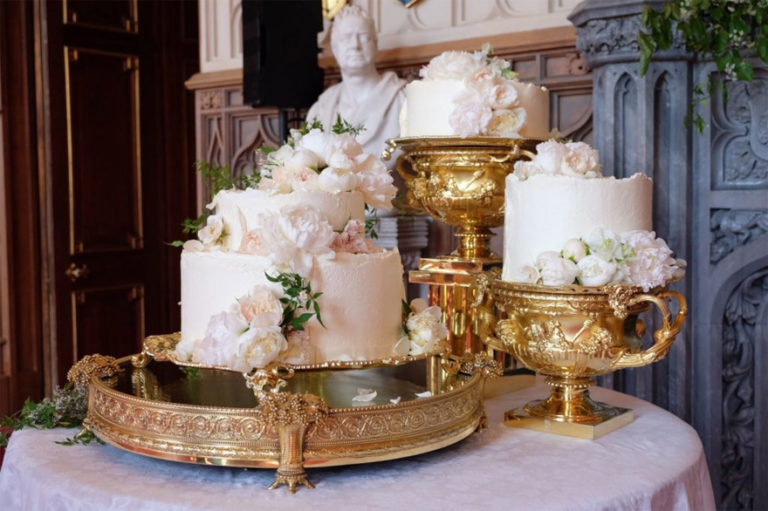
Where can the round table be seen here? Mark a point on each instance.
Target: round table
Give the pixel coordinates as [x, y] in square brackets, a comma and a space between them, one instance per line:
[656, 462]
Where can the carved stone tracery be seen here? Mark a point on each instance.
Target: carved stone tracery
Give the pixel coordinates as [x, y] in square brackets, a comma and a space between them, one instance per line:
[745, 310]
[732, 228]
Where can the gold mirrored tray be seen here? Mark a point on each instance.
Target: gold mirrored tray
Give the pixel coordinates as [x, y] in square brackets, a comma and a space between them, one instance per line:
[208, 416]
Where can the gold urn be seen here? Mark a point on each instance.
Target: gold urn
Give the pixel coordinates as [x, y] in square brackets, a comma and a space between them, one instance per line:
[460, 182]
[571, 334]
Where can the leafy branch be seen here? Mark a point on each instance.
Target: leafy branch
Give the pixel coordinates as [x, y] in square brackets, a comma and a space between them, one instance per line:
[298, 297]
[66, 408]
[723, 30]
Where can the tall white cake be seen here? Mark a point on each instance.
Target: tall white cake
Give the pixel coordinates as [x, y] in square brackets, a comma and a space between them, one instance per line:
[473, 94]
[566, 224]
[543, 212]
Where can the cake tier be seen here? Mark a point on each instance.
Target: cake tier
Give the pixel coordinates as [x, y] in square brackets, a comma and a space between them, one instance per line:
[361, 304]
[429, 103]
[543, 212]
[239, 208]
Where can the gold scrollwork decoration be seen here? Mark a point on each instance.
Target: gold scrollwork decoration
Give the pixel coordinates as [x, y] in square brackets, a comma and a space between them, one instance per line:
[90, 366]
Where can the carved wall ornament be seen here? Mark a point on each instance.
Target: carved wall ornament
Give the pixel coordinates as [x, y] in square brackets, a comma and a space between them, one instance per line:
[745, 313]
[740, 134]
[732, 228]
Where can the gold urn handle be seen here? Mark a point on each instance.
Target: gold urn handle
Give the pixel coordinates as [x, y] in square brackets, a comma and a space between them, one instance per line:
[664, 336]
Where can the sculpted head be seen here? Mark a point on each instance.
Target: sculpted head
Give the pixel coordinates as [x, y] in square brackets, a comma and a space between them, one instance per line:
[353, 40]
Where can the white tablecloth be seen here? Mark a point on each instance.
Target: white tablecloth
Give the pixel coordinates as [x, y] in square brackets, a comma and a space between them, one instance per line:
[655, 463]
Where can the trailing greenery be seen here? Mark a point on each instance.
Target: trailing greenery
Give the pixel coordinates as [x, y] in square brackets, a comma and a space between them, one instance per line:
[298, 297]
[726, 31]
[371, 220]
[66, 408]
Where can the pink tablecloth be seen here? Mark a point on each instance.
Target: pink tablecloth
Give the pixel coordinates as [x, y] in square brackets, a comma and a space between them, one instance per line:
[655, 463]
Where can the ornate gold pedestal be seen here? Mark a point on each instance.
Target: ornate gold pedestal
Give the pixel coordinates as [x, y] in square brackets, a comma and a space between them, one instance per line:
[282, 418]
[572, 334]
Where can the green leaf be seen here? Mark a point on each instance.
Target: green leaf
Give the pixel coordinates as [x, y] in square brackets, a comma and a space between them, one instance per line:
[265, 149]
[744, 71]
[176, 243]
[761, 45]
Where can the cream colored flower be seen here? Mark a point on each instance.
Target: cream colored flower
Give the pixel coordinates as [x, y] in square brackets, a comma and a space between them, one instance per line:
[212, 231]
[594, 271]
[575, 250]
[425, 328]
[554, 270]
[581, 160]
[470, 118]
[507, 123]
[526, 274]
[261, 308]
[334, 180]
[193, 246]
[257, 347]
[453, 65]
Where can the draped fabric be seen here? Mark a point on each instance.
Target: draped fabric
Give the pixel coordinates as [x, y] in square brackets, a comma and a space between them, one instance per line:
[654, 463]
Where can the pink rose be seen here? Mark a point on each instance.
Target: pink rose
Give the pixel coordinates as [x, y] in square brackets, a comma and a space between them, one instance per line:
[261, 308]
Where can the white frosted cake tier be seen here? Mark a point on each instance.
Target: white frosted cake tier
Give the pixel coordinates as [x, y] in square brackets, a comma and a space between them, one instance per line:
[361, 304]
[429, 103]
[543, 212]
[239, 208]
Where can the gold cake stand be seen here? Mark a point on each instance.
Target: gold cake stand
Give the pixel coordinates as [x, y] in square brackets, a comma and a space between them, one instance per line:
[289, 419]
[460, 182]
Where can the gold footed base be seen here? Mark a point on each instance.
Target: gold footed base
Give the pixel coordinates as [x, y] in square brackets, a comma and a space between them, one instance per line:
[520, 418]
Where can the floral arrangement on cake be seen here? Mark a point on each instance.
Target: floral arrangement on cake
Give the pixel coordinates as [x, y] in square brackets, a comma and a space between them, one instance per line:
[489, 105]
[312, 158]
[332, 161]
[555, 158]
[635, 258]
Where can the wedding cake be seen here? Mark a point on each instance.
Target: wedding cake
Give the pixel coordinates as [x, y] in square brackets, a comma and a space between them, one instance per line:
[566, 224]
[282, 271]
[473, 94]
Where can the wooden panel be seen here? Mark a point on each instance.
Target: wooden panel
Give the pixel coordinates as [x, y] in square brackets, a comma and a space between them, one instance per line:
[109, 321]
[120, 15]
[107, 179]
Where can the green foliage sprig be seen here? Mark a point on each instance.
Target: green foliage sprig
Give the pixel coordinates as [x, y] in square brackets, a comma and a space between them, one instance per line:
[371, 220]
[66, 408]
[723, 30]
[342, 126]
[298, 297]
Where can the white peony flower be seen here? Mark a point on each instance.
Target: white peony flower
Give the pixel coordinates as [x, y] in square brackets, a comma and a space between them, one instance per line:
[317, 142]
[526, 274]
[575, 250]
[219, 345]
[507, 123]
[279, 182]
[581, 160]
[605, 244]
[212, 231]
[301, 159]
[304, 179]
[257, 347]
[425, 328]
[594, 271]
[261, 308]
[453, 65]
[502, 95]
[470, 118]
[554, 270]
[334, 180]
[650, 263]
[549, 156]
[377, 187]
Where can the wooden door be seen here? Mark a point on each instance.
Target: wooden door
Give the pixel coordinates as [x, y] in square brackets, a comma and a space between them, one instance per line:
[117, 189]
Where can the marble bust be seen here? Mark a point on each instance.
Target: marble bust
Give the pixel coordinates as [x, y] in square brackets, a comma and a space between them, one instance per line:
[364, 96]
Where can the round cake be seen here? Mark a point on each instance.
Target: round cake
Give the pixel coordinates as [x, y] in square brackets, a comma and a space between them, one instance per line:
[566, 224]
[473, 94]
[282, 270]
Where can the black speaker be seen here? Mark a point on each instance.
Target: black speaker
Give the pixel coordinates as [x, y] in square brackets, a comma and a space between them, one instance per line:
[280, 52]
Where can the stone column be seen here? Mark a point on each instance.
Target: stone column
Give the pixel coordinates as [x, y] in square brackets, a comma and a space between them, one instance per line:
[711, 205]
[639, 127]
